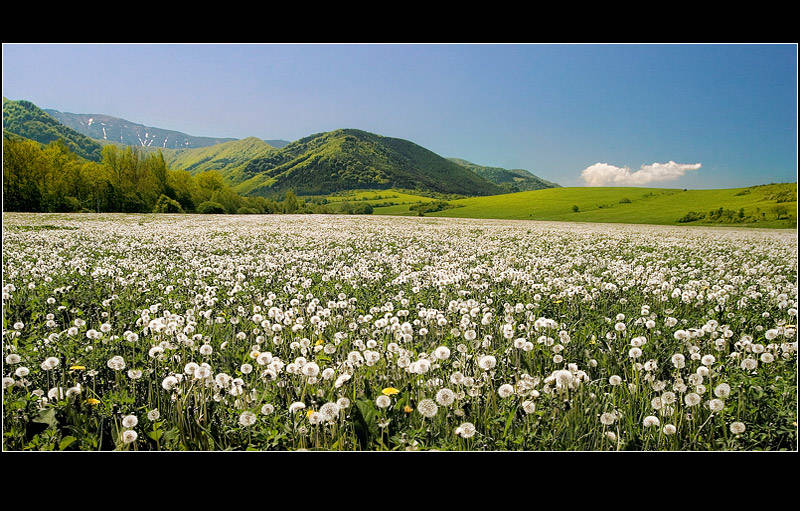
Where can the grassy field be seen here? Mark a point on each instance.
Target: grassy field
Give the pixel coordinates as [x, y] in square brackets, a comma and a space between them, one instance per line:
[389, 202]
[759, 206]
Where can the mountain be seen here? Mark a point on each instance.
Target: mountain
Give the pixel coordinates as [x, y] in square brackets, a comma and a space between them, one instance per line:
[513, 180]
[114, 129]
[25, 119]
[349, 159]
[320, 164]
[229, 158]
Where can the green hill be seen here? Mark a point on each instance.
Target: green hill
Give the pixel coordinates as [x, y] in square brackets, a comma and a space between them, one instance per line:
[13, 136]
[772, 205]
[349, 159]
[511, 180]
[228, 158]
[25, 119]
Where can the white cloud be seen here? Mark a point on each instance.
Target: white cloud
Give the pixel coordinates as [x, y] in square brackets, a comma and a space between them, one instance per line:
[603, 174]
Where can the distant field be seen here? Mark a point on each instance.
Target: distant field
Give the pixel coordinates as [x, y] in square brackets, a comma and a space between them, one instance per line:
[390, 202]
[771, 206]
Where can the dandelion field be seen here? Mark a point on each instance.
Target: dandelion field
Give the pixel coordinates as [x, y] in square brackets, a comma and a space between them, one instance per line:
[287, 332]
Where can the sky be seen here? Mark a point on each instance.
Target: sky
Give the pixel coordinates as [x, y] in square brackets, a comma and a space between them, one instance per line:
[675, 116]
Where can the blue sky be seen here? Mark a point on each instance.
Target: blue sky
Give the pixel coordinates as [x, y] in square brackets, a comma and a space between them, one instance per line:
[553, 109]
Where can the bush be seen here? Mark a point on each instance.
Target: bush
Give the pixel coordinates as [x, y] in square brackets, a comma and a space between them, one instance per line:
[246, 211]
[430, 207]
[781, 212]
[211, 208]
[624, 200]
[575, 208]
[784, 196]
[167, 205]
[691, 216]
[348, 208]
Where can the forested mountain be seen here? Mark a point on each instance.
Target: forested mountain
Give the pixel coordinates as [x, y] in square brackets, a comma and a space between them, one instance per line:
[25, 119]
[511, 180]
[348, 159]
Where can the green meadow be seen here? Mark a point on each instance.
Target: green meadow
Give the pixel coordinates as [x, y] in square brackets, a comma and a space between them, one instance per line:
[773, 206]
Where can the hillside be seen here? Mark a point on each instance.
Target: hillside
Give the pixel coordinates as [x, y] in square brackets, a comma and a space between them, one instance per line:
[511, 180]
[7, 135]
[772, 205]
[25, 119]
[114, 129]
[228, 158]
[349, 159]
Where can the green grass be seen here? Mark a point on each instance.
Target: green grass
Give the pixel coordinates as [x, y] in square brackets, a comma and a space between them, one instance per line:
[374, 197]
[647, 205]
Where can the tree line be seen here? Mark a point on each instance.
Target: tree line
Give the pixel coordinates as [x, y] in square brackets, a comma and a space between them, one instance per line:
[52, 178]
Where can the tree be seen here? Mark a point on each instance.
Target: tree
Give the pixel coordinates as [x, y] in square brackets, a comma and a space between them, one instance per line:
[23, 172]
[290, 203]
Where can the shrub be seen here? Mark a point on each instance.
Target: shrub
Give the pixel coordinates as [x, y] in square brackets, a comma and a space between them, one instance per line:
[784, 196]
[575, 208]
[430, 207]
[246, 211]
[781, 212]
[211, 208]
[624, 200]
[691, 216]
[167, 205]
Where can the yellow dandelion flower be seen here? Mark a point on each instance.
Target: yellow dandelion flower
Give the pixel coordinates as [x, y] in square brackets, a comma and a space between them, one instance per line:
[254, 354]
[309, 412]
[390, 391]
[558, 301]
[93, 401]
[408, 409]
[319, 342]
[77, 368]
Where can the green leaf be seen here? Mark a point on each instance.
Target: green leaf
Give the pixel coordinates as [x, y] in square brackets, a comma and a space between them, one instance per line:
[365, 422]
[508, 423]
[66, 442]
